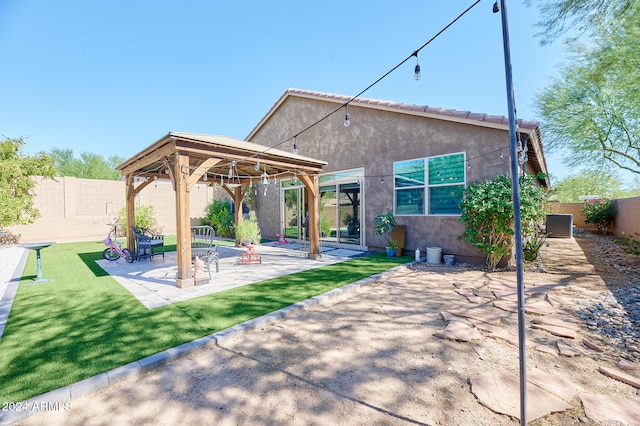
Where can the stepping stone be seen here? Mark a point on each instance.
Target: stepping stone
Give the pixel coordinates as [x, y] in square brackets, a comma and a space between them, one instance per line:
[500, 333]
[476, 313]
[608, 409]
[499, 390]
[623, 364]
[498, 284]
[506, 305]
[487, 294]
[539, 289]
[566, 349]
[507, 294]
[539, 308]
[557, 301]
[468, 293]
[556, 320]
[593, 345]
[559, 386]
[547, 349]
[450, 317]
[556, 331]
[457, 330]
[620, 375]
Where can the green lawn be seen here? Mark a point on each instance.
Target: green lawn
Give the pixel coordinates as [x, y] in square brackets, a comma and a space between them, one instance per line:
[84, 323]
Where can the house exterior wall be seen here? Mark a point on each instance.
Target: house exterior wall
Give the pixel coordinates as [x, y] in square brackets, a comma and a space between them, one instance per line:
[374, 141]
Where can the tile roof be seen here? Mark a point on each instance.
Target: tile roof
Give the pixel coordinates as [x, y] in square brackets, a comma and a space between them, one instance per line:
[465, 115]
[532, 128]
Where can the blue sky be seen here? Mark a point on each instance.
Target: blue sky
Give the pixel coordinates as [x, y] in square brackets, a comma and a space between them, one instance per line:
[112, 77]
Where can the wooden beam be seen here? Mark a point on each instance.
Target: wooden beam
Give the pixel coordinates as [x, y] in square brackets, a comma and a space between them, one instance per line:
[142, 186]
[311, 183]
[131, 213]
[145, 159]
[201, 169]
[183, 222]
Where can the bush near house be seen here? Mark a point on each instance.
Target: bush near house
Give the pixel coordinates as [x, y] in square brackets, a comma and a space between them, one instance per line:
[218, 215]
[487, 212]
[602, 213]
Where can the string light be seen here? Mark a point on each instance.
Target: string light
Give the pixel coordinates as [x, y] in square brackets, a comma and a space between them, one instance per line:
[295, 145]
[347, 121]
[257, 166]
[416, 72]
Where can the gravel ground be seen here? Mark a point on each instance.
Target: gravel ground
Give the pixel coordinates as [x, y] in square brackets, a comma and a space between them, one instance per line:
[372, 357]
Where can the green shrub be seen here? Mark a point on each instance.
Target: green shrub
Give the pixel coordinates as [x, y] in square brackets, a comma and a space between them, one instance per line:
[487, 212]
[629, 244]
[218, 215]
[248, 230]
[145, 218]
[601, 213]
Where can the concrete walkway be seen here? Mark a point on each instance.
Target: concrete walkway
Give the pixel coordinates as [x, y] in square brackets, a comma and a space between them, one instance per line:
[153, 282]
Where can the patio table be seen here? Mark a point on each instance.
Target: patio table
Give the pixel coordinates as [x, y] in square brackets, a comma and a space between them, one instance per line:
[40, 279]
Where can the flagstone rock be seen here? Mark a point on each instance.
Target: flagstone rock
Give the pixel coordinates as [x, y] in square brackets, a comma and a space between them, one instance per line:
[556, 331]
[450, 317]
[468, 293]
[487, 294]
[623, 364]
[507, 294]
[499, 390]
[557, 385]
[560, 321]
[608, 409]
[457, 330]
[547, 349]
[539, 308]
[506, 305]
[476, 313]
[620, 375]
[557, 301]
[567, 350]
[593, 345]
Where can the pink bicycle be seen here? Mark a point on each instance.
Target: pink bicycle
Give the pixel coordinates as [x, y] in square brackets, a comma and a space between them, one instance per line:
[114, 250]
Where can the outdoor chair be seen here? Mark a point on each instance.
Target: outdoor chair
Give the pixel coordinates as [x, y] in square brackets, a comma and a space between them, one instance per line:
[203, 245]
[148, 244]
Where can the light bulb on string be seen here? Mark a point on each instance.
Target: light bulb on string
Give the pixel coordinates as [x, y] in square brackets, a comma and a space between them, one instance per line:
[257, 166]
[416, 71]
[501, 154]
[295, 145]
[204, 178]
[347, 120]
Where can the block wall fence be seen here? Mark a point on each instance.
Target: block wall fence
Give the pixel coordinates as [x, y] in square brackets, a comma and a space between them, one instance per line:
[74, 209]
[627, 218]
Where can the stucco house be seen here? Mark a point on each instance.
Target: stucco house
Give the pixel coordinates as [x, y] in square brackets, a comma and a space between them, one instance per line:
[408, 159]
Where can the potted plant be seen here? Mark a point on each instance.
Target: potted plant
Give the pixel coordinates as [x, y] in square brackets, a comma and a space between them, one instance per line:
[383, 224]
[392, 248]
[248, 230]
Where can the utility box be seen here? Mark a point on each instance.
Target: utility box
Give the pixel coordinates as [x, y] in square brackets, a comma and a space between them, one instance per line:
[559, 226]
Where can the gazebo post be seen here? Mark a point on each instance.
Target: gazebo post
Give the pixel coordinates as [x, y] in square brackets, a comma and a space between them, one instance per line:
[130, 220]
[183, 221]
[313, 204]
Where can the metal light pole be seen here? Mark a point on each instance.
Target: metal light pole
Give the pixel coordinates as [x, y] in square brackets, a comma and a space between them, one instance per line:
[513, 149]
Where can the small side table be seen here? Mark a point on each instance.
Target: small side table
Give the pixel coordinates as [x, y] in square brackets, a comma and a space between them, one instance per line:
[40, 279]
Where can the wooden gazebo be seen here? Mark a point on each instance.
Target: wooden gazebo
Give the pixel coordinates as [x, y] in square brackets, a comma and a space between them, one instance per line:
[186, 158]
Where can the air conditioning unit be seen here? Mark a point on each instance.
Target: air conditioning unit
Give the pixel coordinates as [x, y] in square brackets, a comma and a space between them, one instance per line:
[559, 226]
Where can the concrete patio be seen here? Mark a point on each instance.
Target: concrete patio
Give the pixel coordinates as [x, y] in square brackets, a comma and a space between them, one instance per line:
[153, 282]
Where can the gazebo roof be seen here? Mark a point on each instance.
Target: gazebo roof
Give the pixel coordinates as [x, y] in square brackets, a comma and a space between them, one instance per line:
[155, 160]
